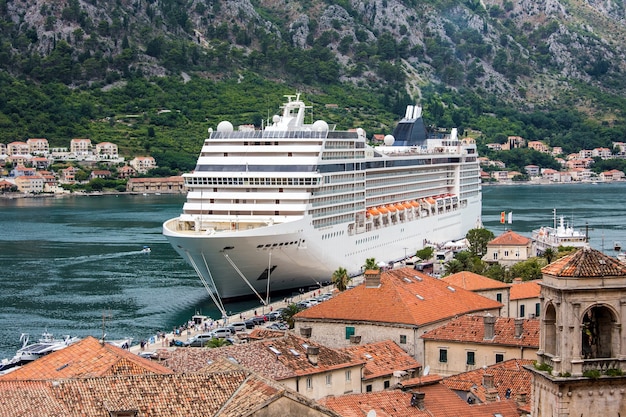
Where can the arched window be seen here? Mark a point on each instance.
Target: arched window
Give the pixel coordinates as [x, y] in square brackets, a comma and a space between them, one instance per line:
[597, 330]
[549, 330]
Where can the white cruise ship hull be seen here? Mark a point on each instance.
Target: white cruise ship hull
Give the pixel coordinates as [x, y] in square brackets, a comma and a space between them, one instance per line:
[308, 257]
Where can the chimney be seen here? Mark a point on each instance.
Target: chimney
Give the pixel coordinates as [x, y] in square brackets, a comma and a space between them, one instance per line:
[372, 278]
[520, 399]
[312, 353]
[519, 327]
[487, 381]
[306, 331]
[489, 322]
[417, 400]
[491, 395]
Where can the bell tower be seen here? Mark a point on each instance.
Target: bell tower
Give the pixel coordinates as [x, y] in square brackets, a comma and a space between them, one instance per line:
[581, 363]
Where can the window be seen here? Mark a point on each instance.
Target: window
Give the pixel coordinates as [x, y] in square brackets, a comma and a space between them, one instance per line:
[522, 310]
[386, 384]
[349, 332]
[443, 355]
[329, 379]
[403, 339]
[348, 375]
[368, 388]
[506, 253]
[309, 383]
[499, 357]
[471, 360]
[537, 310]
[495, 256]
[499, 297]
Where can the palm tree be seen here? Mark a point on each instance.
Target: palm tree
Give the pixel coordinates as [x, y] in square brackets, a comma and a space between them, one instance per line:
[341, 279]
[217, 342]
[290, 311]
[370, 263]
[549, 255]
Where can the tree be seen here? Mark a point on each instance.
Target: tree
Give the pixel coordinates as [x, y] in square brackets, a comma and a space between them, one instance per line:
[527, 270]
[453, 267]
[290, 311]
[217, 342]
[425, 253]
[341, 279]
[478, 239]
[370, 263]
[549, 255]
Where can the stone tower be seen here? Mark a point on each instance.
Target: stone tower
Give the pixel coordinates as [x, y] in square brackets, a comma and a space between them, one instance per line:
[582, 352]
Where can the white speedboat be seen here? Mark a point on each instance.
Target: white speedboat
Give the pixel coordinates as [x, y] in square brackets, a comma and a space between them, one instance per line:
[146, 249]
[46, 344]
[283, 207]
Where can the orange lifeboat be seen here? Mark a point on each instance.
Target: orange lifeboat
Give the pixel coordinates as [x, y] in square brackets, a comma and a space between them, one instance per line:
[407, 205]
[430, 200]
[391, 207]
[373, 212]
[382, 209]
[414, 203]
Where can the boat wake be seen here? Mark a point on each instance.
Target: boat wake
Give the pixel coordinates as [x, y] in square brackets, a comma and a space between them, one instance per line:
[95, 258]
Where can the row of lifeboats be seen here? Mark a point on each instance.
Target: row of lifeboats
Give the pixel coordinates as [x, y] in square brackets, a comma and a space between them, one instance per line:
[409, 205]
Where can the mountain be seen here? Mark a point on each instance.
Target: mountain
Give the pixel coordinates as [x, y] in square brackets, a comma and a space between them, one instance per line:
[529, 55]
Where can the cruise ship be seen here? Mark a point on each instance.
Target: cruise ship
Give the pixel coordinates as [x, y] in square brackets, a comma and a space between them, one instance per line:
[285, 206]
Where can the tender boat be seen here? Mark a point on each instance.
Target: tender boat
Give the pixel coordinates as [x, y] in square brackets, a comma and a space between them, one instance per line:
[146, 249]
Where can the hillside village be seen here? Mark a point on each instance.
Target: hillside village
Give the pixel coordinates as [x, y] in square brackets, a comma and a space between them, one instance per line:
[32, 160]
[401, 343]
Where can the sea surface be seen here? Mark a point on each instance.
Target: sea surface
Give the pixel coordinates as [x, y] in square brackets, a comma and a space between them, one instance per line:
[74, 265]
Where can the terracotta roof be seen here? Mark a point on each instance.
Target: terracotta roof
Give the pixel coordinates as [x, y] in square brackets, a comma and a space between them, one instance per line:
[510, 238]
[86, 358]
[526, 289]
[405, 296]
[439, 401]
[586, 262]
[227, 394]
[509, 374]
[474, 282]
[280, 358]
[471, 329]
[382, 358]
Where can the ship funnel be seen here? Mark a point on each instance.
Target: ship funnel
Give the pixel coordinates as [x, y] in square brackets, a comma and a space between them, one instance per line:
[454, 133]
[417, 112]
[409, 112]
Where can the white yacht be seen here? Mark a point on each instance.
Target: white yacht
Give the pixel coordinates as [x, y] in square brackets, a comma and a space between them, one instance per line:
[285, 206]
[558, 235]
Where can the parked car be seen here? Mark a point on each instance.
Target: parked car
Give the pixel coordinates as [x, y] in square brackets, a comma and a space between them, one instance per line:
[250, 323]
[239, 326]
[278, 326]
[274, 315]
[199, 340]
[222, 332]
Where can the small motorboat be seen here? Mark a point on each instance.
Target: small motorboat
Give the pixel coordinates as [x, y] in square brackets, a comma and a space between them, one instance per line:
[617, 246]
[145, 249]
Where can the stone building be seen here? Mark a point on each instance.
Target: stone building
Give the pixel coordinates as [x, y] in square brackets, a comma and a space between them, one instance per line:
[582, 351]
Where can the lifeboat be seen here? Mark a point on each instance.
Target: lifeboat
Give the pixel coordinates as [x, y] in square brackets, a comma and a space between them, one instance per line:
[407, 205]
[382, 209]
[373, 212]
[392, 208]
[430, 200]
[414, 203]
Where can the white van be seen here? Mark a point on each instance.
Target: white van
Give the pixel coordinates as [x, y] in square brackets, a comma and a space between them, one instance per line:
[239, 326]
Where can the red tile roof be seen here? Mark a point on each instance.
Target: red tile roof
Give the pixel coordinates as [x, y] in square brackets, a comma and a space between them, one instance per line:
[405, 296]
[439, 401]
[510, 238]
[382, 358]
[471, 329]
[84, 359]
[586, 262]
[227, 394]
[509, 374]
[474, 282]
[280, 358]
[524, 290]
